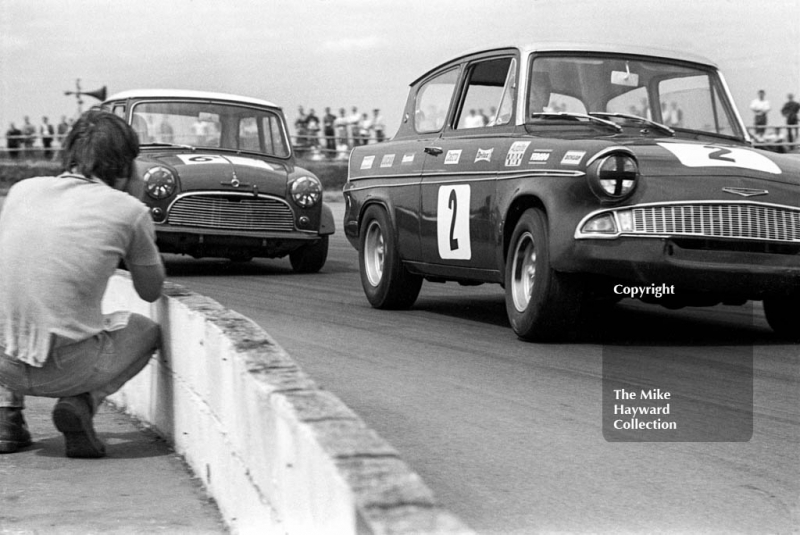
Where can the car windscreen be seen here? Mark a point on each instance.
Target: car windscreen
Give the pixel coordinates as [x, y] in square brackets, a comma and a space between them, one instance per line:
[211, 125]
[681, 96]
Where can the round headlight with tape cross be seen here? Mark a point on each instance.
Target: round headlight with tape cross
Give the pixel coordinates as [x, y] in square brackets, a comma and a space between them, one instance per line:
[613, 176]
[159, 182]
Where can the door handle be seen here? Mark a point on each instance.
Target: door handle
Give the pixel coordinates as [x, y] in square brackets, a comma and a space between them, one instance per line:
[434, 151]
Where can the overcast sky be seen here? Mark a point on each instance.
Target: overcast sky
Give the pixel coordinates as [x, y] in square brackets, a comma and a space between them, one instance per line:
[344, 53]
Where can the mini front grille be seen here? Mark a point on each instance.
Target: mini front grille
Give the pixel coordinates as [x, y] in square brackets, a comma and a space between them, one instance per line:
[735, 221]
[232, 213]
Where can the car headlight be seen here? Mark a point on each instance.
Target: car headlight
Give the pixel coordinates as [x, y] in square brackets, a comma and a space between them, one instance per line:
[159, 182]
[613, 177]
[306, 191]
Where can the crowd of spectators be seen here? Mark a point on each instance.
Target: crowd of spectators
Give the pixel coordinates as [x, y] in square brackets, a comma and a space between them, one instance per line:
[332, 136]
[30, 141]
[775, 138]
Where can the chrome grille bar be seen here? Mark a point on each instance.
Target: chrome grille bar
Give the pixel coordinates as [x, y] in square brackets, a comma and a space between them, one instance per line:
[232, 213]
[736, 221]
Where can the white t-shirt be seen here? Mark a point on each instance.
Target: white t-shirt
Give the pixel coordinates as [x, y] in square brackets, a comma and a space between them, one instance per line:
[61, 238]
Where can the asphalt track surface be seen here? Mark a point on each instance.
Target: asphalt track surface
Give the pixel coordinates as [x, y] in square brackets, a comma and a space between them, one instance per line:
[509, 435]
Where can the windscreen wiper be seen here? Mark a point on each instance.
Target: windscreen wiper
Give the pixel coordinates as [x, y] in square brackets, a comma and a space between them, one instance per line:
[161, 144]
[658, 126]
[577, 117]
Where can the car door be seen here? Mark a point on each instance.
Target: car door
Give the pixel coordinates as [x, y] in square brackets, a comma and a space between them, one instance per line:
[459, 220]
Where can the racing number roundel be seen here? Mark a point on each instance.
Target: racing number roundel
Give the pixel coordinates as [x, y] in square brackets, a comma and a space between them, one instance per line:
[452, 223]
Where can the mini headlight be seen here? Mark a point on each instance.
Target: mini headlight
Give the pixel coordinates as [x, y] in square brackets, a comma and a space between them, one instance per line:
[613, 177]
[159, 182]
[306, 191]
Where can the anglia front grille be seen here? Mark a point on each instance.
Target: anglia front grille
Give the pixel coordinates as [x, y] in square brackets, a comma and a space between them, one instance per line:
[736, 221]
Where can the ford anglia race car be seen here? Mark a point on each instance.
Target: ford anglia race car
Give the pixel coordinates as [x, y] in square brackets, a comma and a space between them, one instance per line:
[220, 178]
[569, 174]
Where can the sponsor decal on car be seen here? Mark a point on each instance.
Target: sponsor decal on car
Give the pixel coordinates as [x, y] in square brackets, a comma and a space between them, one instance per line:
[539, 156]
[516, 152]
[484, 155]
[408, 158]
[573, 157]
[692, 155]
[453, 156]
[387, 160]
[366, 163]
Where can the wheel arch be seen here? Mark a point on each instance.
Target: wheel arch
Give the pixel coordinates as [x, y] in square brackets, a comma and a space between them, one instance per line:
[515, 210]
[384, 205]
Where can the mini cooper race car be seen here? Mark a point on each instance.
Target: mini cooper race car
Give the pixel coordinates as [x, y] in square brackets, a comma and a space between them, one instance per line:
[220, 178]
[569, 174]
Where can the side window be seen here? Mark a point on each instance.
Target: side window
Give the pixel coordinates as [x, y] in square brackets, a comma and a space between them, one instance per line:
[433, 100]
[273, 137]
[119, 110]
[489, 94]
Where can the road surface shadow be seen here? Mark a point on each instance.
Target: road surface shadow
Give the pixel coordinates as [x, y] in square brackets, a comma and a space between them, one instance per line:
[629, 323]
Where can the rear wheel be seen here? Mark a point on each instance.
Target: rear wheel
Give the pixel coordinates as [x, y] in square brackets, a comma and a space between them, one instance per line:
[783, 315]
[542, 304]
[310, 258]
[387, 283]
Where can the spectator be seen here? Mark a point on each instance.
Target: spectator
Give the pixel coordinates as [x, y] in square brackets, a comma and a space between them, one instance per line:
[54, 339]
[473, 120]
[61, 130]
[47, 132]
[673, 116]
[28, 136]
[312, 128]
[354, 121]
[760, 107]
[166, 130]
[300, 127]
[340, 124]
[790, 111]
[329, 131]
[364, 128]
[378, 125]
[13, 141]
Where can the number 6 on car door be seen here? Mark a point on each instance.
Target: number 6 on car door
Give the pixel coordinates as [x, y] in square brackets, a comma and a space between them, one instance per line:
[452, 222]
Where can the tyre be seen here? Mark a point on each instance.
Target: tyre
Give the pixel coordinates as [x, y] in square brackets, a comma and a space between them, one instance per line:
[387, 284]
[783, 315]
[310, 258]
[542, 304]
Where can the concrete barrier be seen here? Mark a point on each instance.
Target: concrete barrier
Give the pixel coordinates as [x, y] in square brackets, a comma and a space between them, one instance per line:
[276, 452]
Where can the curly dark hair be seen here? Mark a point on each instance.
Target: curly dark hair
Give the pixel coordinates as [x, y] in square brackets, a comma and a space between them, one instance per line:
[101, 145]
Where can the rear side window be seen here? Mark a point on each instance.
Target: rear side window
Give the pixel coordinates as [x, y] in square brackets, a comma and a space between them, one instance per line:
[433, 101]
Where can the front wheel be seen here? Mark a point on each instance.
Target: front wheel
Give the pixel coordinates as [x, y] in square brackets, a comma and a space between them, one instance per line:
[782, 314]
[310, 258]
[387, 283]
[542, 304]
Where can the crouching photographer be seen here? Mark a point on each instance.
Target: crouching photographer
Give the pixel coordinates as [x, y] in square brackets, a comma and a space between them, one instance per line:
[61, 238]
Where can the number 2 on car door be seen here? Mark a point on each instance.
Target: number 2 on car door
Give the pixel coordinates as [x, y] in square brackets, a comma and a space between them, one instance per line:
[452, 225]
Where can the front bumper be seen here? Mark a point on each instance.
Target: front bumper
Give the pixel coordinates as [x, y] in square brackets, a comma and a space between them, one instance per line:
[696, 267]
[201, 242]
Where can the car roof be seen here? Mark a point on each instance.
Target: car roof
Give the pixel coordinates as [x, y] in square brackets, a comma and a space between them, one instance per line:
[528, 48]
[186, 93]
